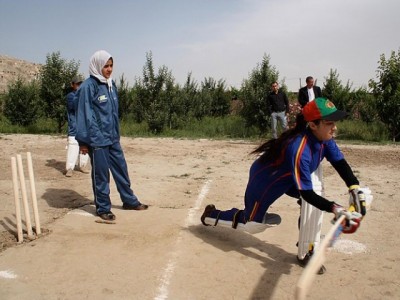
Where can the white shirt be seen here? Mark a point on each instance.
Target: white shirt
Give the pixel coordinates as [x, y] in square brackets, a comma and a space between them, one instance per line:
[311, 95]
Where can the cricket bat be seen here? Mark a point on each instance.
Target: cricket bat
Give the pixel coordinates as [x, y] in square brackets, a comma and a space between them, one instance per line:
[317, 259]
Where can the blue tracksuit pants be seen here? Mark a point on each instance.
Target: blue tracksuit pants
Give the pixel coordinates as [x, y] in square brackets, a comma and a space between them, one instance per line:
[106, 159]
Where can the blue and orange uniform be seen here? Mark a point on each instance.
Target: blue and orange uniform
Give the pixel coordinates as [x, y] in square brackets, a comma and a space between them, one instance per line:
[291, 175]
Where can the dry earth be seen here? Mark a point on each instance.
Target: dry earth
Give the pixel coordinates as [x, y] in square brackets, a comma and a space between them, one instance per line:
[164, 253]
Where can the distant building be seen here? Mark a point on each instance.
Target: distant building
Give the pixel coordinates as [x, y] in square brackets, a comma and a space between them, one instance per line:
[11, 68]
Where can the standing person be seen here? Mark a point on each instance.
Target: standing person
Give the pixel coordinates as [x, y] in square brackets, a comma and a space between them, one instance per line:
[98, 134]
[73, 146]
[309, 92]
[278, 106]
[285, 166]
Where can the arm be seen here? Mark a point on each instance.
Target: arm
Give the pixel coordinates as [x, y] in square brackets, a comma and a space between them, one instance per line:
[345, 172]
[302, 98]
[83, 113]
[285, 98]
[315, 200]
[71, 114]
[317, 92]
[269, 104]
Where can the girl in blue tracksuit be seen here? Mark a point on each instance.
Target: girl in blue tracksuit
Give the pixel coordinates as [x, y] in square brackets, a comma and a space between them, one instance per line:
[97, 131]
[285, 165]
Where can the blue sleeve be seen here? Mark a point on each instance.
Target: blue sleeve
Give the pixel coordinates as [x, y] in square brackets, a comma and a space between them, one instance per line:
[299, 154]
[332, 152]
[71, 114]
[70, 103]
[84, 112]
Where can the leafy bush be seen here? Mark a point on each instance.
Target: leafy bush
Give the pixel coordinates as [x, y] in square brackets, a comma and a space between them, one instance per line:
[22, 103]
[56, 76]
[254, 92]
[387, 92]
[361, 131]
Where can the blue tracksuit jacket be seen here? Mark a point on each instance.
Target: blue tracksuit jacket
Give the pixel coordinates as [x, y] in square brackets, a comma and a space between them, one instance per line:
[97, 122]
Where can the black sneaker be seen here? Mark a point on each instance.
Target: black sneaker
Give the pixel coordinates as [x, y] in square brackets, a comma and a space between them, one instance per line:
[303, 262]
[207, 211]
[135, 207]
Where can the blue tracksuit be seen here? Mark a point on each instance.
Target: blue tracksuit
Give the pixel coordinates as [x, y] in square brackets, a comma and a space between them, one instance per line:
[97, 126]
[289, 174]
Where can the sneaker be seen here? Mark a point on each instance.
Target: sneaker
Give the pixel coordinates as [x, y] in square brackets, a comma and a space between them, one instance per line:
[84, 170]
[69, 173]
[303, 262]
[207, 212]
[135, 207]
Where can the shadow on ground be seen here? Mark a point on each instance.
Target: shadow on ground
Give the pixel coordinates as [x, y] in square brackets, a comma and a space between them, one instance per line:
[276, 261]
[55, 164]
[65, 198]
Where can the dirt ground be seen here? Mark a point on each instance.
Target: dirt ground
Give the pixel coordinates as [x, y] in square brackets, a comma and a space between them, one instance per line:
[164, 252]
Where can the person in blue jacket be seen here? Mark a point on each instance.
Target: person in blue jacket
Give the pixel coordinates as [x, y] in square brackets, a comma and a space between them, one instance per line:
[73, 146]
[284, 166]
[97, 131]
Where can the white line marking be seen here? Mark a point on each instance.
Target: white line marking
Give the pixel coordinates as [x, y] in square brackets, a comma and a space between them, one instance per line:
[349, 247]
[170, 268]
[80, 212]
[8, 274]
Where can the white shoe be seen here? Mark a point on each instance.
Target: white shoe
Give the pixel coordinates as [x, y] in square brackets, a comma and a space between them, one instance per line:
[84, 170]
[69, 173]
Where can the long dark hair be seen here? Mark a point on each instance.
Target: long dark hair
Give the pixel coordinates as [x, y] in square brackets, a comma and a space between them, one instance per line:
[272, 149]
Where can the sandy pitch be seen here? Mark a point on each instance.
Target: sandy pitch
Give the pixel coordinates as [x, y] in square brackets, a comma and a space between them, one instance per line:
[164, 253]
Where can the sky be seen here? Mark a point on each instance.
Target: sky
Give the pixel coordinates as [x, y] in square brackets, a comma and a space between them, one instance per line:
[222, 39]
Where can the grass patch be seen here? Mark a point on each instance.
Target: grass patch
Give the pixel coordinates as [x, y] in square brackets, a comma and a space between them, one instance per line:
[229, 127]
[361, 131]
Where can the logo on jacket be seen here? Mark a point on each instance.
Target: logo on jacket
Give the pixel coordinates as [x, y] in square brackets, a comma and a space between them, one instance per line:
[102, 98]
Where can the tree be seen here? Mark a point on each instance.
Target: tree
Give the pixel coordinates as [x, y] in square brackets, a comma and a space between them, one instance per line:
[55, 78]
[149, 90]
[22, 103]
[220, 100]
[254, 91]
[124, 98]
[387, 92]
[188, 95]
[363, 105]
[335, 91]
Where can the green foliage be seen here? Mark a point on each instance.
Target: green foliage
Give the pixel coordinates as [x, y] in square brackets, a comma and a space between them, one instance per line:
[149, 90]
[361, 131]
[22, 103]
[363, 106]
[41, 126]
[157, 106]
[387, 92]
[335, 91]
[207, 127]
[56, 77]
[124, 98]
[2, 100]
[188, 98]
[254, 92]
[219, 127]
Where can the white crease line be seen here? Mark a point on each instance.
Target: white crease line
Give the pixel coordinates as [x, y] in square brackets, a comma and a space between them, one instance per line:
[81, 213]
[8, 274]
[169, 269]
[349, 247]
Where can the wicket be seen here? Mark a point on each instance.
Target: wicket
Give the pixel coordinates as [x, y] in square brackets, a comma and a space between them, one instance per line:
[19, 183]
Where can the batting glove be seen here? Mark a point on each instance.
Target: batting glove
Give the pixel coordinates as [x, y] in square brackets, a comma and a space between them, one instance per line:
[357, 199]
[352, 218]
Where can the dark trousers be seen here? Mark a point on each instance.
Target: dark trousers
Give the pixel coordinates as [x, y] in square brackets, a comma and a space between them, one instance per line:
[106, 159]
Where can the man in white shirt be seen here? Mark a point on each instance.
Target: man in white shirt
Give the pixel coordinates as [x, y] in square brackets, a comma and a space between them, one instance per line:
[309, 92]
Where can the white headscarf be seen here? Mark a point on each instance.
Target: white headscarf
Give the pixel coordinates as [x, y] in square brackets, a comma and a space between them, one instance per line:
[97, 62]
